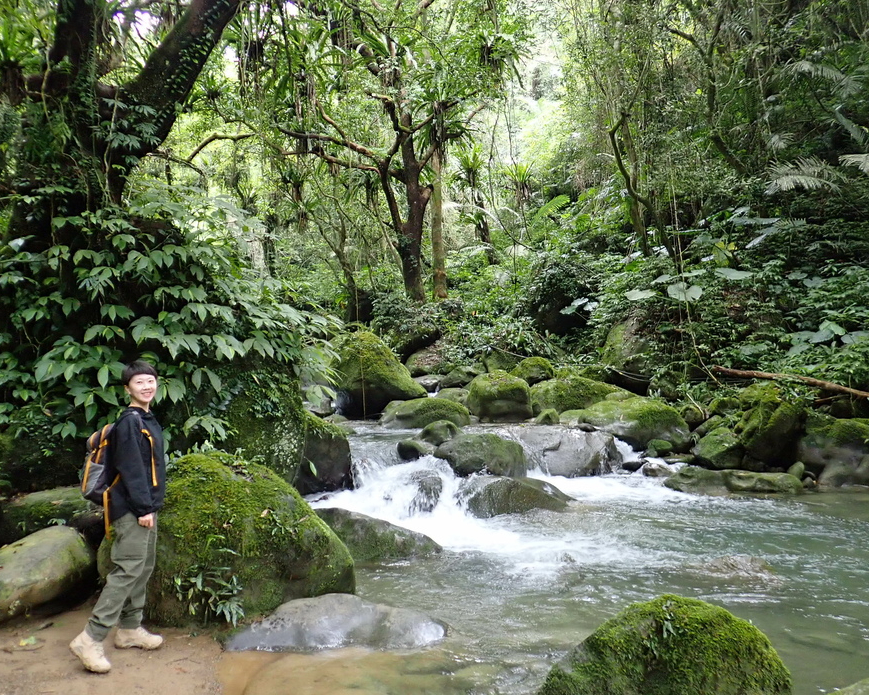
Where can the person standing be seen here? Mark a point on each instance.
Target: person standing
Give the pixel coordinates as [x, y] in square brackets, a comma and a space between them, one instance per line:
[136, 452]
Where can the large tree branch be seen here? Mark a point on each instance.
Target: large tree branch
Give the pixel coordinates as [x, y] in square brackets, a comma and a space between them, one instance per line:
[321, 137]
[824, 385]
[214, 137]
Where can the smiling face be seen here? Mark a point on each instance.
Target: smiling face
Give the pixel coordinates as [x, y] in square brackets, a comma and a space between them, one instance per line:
[142, 388]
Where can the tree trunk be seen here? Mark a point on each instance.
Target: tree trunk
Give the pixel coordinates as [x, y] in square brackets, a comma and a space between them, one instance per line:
[438, 250]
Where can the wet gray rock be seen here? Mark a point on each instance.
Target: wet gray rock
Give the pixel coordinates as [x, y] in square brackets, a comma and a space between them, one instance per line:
[568, 451]
[332, 621]
[429, 488]
[374, 540]
[488, 497]
[657, 469]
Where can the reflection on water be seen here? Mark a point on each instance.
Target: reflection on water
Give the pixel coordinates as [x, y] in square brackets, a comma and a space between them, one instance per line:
[519, 591]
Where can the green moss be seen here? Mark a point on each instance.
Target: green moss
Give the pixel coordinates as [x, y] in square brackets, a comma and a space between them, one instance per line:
[424, 411]
[475, 453]
[533, 370]
[568, 392]
[720, 449]
[547, 417]
[499, 397]
[638, 420]
[672, 646]
[280, 549]
[38, 510]
[823, 430]
[769, 429]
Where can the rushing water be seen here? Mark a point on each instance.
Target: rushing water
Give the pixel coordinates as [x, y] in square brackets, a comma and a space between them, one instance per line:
[519, 591]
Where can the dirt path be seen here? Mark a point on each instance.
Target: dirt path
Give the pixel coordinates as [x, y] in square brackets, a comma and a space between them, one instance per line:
[35, 660]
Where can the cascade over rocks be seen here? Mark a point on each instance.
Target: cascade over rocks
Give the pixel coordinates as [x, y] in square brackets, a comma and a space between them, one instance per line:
[637, 421]
[370, 376]
[568, 451]
[280, 547]
[499, 397]
[338, 620]
[374, 540]
[671, 646]
[49, 564]
[491, 496]
[477, 453]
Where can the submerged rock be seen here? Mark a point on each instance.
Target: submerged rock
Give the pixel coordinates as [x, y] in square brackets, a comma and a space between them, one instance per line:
[478, 453]
[41, 567]
[570, 452]
[671, 646]
[490, 497]
[374, 540]
[338, 620]
[499, 397]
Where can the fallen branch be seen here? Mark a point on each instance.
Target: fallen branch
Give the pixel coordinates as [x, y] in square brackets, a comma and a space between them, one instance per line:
[825, 385]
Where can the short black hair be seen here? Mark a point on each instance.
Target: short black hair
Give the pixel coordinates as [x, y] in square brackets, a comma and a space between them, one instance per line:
[135, 368]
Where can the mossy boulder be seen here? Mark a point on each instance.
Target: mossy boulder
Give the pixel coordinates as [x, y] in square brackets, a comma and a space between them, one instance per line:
[413, 449]
[697, 480]
[568, 392]
[43, 566]
[639, 420]
[487, 452]
[835, 449]
[659, 448]
[671, 646]
[533, 370]
[547, 417]
[438, 432]
[626, 348]
[499, 360]
[29, 513]
[770, 426]
[490, 497]
[420, 412]
[719, 449]
[461, 376]
[374, 540]
[270, 424]
[499, 397]
[453, 394]
[280, 549]
[763, 483]
[427, 361]
[370, 376]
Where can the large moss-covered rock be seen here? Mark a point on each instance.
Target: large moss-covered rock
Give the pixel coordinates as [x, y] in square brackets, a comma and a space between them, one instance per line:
[487, 452]
[499, 397]
[671, 646]
[533, 370]
[719, 449]
[568, 392]
[453, 394]
[38, 510]
[769, 427]
[269, 423]
[765, 483]
[462, 376]
[626, 348]
[639, 420]
[420, 412]
[374, 540]
[370, 376]
[490, 497]
[280, 549]
[697, 480]
[835, 449]
[42, 567]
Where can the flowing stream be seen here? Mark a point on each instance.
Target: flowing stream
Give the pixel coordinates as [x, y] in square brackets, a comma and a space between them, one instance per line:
[519, 591]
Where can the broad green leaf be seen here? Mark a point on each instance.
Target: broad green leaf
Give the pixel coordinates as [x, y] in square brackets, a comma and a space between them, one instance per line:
[733, 274]
[635, 295]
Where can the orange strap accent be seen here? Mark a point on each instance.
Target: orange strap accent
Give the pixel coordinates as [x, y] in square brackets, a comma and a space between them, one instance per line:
[153, 462]
[106, 521]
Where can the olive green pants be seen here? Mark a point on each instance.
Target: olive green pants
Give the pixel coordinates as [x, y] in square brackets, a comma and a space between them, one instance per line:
[122, 601]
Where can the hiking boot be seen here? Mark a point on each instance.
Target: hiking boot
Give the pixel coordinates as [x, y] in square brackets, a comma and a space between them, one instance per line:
[140, 637]
[90, 652]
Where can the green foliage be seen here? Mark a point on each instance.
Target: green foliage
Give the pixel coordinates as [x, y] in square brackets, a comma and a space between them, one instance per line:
[164, 280]
[211, 592]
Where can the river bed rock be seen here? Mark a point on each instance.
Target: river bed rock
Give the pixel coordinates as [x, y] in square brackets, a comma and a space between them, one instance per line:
[477, 453]
[701, 480]
[567, 451]
[672, 646]
[41, 567]
[419, 412]
[375, 540]
[499, 397]
[338, 620]
[490, 496]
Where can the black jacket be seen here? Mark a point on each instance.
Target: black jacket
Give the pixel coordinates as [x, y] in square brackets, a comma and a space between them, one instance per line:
[140, 463]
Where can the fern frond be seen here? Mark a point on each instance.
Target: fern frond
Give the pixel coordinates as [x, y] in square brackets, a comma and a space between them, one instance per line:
[551, 207]
[846, 85]
[859, 133]
[861, 161]
[809, 173]
[779, 141]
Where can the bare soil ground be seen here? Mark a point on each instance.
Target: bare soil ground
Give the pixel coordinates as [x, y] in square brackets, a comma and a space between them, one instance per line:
[35, 660]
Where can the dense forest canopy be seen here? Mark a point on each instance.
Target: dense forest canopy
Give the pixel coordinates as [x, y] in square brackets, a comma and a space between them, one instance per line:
[209, 184]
